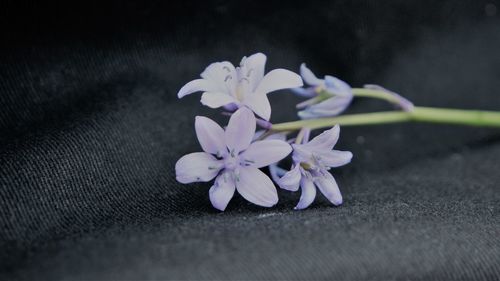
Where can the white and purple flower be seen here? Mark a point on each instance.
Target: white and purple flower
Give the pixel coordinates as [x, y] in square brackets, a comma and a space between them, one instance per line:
[328, 97]
[312, 161]
[246, 85]
[233, 160]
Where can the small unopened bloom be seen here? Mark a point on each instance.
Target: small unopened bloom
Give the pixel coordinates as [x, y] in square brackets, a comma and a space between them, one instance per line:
[312, 162]
[246, 85]
[399, 100]
[328, 97]
[233, 160]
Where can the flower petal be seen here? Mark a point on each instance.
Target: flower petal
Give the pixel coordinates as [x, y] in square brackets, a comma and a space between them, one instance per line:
[308, 92]
[223, 75]
[240, 130]
[277, 136]
[335, 158]
[328, 186]
[309, 76]
[222, 191]
[256, 187]
[308, 193]
[330, 107]
[210, 135]
[216, 99]
[276, 172]
[197, 167]
[263, 153]
[196, 86]
[324, 141]
[278, 79]
[291, 180]
[338, 86]
[259, 103]
[253, 68]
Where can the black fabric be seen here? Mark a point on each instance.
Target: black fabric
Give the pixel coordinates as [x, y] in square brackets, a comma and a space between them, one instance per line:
[90, 130]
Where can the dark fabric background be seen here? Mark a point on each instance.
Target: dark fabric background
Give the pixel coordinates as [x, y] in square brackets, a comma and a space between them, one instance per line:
[90, 130]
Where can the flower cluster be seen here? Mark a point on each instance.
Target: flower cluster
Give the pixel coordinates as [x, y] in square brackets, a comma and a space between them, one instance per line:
[328, 97]
[233, 156]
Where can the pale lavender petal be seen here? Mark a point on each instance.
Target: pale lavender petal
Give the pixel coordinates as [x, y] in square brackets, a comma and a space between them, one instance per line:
[308, 193]
[291, 180]
[223, 75]
[240, 130]
[324, 141]
[335, 158]
[402, 102]
[222, 191]
[258, 134]
[338, 86]
[278, 79]
[307, 92]
[210, 135]
[196, 86]
[254, 67]
[328, 186]
[276, 172]
[309, 114]
[330, 107]
[197, 167]
[335, 104]
[301, 153]
[306, 103]
[309, 76]
[259, 103]
[256, 187]
[216, 99]
[277, 136]
[263, 153]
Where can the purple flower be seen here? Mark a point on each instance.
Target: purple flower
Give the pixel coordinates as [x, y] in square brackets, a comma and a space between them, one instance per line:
[328, 97]
[312, 160]
[246, 85]
[232, 158]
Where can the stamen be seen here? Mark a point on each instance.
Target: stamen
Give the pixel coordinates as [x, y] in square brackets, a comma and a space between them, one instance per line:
[244, 78]
[229, 77]
[226, 68]
[249, 161]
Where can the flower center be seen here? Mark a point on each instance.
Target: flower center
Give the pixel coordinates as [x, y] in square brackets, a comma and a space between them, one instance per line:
[232, 162]
[305, 165]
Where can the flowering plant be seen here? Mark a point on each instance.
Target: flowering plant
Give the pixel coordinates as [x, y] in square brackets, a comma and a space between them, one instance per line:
[233, 156]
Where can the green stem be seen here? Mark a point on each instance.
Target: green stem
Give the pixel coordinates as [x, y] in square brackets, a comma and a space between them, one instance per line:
[418, 114]
[369, 93]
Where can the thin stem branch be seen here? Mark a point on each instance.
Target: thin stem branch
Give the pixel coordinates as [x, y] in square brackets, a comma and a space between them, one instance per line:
[418, 114]
[375, 94]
